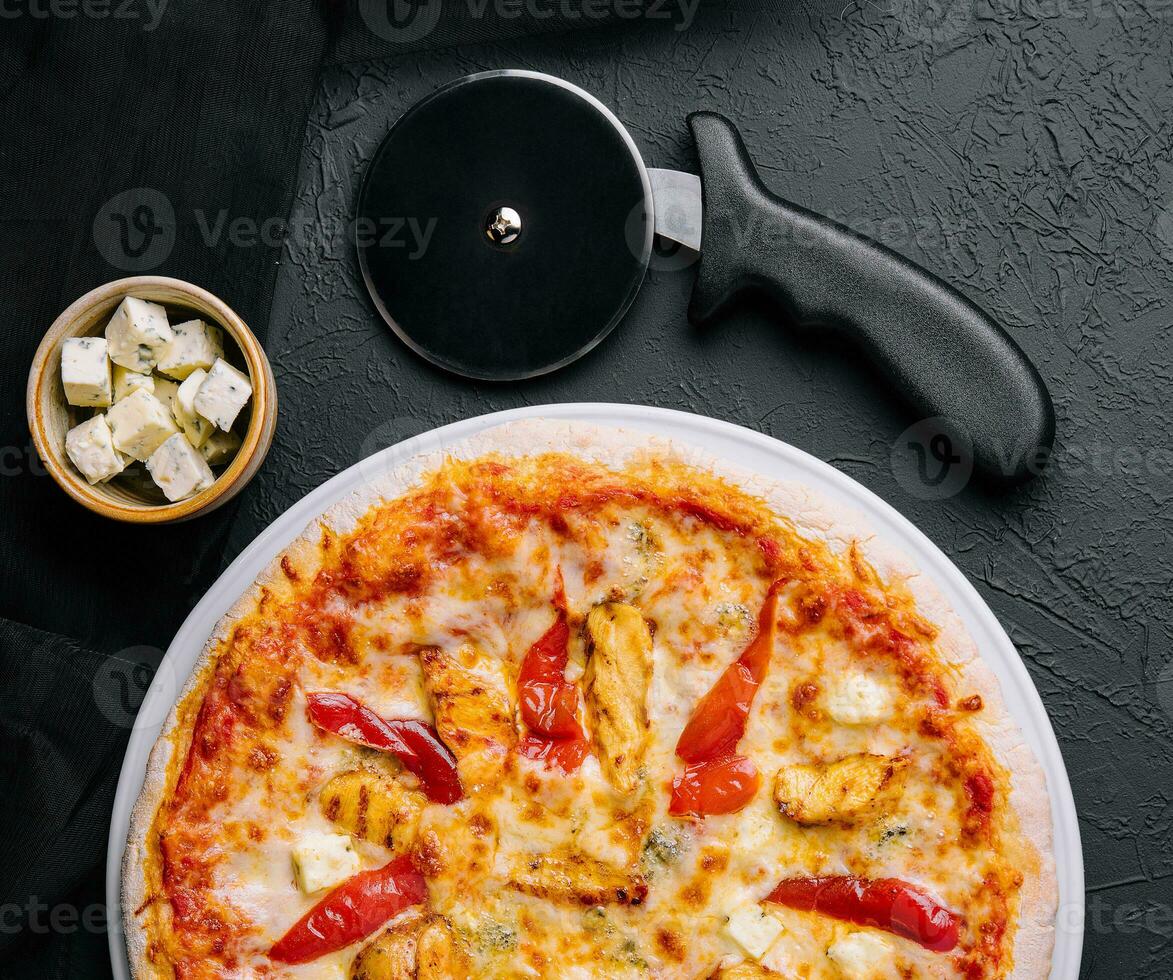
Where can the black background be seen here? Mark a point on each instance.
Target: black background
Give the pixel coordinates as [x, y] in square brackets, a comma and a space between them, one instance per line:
[1020, 149]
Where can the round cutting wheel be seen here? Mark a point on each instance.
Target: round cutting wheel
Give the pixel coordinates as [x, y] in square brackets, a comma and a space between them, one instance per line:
[504, 225]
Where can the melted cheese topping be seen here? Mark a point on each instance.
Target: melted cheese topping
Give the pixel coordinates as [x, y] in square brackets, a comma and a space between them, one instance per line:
[472, 558]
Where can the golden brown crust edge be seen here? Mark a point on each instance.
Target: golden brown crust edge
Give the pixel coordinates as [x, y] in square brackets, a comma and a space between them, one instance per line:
[140, 862]
[814, 516]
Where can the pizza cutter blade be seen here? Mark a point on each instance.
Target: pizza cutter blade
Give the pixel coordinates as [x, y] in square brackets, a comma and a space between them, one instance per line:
[506, 222]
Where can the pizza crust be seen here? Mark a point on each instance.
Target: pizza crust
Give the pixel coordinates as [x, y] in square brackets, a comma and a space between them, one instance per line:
[813, 516]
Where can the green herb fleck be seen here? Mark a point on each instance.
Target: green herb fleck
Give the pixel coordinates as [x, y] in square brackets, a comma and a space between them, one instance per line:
[595, 919]
[629, 953]
[497, 936]
[733, 616]
[660, 848]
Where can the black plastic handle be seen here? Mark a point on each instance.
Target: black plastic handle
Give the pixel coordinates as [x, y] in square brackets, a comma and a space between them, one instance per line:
[947, 358]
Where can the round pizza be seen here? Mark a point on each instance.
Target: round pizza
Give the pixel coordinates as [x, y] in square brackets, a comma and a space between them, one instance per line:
[574, 702]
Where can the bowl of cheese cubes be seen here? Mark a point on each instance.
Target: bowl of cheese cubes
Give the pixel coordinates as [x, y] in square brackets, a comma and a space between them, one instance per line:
[150, 401]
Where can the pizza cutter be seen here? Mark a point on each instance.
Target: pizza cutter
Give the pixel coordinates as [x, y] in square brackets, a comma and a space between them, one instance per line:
[506, 222]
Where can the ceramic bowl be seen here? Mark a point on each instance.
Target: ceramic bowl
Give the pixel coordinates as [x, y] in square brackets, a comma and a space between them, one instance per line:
[51, 417]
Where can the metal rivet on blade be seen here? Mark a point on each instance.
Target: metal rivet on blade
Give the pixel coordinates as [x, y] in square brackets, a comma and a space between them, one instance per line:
[503, 226]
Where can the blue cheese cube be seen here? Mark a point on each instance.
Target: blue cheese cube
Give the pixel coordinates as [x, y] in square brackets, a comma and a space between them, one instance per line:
[85, 372]
[753, 928]
[127, 381]
[178, 469]
[223, 394]
[140, 424]
[194, 345]
[136, 333]
[220, 447]
[323, 860]
[194, 426]
[91, 448]
[165, 391]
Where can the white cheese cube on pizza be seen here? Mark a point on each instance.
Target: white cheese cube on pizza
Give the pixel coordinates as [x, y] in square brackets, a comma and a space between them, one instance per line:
[136, 332]
[787, 959]
[140, 424]
[223, 394]
[323, 860]
[861, 956]
[127, 381]
[194, 426]
[193, 345]
[178, 469]
[753, 928]
[91, 448]
[85, 372]
[854, 698]
[220, 447]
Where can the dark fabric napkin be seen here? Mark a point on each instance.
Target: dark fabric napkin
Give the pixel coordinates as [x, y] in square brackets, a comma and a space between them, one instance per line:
[192, 111]
[153, 137]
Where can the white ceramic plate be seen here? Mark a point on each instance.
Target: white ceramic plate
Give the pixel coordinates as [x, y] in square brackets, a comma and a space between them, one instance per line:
[740, 446]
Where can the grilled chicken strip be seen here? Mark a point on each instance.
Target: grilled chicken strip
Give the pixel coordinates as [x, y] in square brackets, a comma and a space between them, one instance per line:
[471, 705]
[745, 971]
[837, 792]
[439, 954]
[391, 956]
[616, 683]
[422, 948]
[577, 879]
[374, 807]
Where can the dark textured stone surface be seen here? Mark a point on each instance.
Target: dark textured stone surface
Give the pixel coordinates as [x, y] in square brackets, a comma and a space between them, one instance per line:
[1019, 149]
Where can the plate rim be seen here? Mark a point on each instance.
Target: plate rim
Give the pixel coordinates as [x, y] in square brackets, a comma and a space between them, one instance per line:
[995, 648]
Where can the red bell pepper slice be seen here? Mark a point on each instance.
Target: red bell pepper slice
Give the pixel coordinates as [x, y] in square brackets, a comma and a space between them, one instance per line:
[565, 754]
[549, 703]
[414, 743]
[718, 722]
[883, 903]
[545, 661]
[717, 786]
[352, 911]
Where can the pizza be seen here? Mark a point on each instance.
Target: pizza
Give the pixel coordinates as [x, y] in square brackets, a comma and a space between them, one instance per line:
[571, 702]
